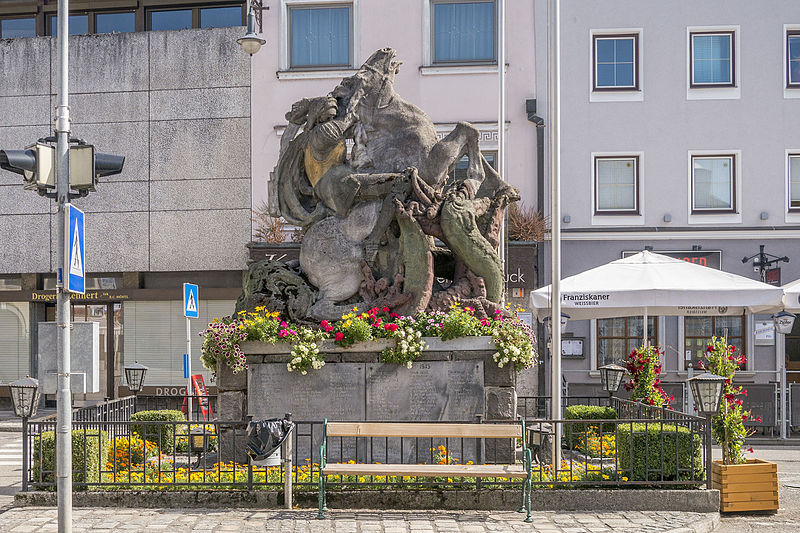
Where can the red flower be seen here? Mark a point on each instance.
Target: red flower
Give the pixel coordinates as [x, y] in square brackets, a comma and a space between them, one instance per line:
[750, 449]
[744, 391]
[385, 310]
[393, 315]
[390, 327]
[744, 417]
[324, 324]
[328, 329]
[700, 365]
[710, 349]
[733, 349]
[339, 336]
[758, 419]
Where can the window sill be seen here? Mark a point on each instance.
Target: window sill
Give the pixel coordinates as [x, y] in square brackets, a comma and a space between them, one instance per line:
[792, 217]
[732, 218]
[439, 70]
[713, 93]
[791, 92]
[618, 220]
[632, 95]
[314, 74]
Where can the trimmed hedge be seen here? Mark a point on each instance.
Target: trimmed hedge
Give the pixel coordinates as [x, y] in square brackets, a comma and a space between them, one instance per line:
[640, 452]
[89, 452]
[161, 434]
[573, 432]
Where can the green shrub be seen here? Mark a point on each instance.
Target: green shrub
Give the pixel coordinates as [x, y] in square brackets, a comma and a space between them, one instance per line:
[161, 434]
[642, 447]
[89, 449]
[573, 432]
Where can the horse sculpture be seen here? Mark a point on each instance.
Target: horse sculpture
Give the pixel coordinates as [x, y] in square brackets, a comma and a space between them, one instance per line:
[371, 213]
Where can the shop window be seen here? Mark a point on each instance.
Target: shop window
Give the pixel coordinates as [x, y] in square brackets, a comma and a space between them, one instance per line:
[320, 36]
[616, 62]
[698, 331]
[11, 28]
[15, 341]
[617, 337]
[11, 283]
[463, 31]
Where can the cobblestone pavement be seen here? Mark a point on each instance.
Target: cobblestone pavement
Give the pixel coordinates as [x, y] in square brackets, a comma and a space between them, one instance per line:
[35, 519]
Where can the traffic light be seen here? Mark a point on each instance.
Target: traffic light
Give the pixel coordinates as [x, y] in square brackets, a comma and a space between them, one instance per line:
[36, 164]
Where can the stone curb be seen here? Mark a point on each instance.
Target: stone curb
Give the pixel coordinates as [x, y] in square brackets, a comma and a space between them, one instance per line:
[699, 501]
[706, 524]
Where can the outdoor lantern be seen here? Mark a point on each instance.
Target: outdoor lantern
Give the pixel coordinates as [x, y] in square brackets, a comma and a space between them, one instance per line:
[134, 375]
[251, 42]
[549, 328]
[707, 392]
[784, 321]
[611, 377]
[25, 396]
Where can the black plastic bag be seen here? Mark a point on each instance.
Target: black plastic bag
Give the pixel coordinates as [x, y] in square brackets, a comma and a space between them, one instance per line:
[266, 436]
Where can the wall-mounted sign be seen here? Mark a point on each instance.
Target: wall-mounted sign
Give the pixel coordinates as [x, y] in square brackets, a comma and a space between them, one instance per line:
[764, 333]
[772, 276]
[709, 258]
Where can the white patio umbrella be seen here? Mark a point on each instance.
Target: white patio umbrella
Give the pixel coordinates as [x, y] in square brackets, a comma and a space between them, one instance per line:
[651, 283]
[791, 296]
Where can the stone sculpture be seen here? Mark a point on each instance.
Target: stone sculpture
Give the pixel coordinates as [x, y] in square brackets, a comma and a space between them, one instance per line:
[382, 220]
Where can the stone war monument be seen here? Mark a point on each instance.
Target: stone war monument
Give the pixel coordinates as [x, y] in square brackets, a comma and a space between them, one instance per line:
[363, 172]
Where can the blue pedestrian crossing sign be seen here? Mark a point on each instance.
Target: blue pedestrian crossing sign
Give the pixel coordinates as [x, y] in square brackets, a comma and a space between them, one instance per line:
[191, 301]
[75, 252]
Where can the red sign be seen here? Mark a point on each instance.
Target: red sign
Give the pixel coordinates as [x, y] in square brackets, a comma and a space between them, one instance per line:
[772, 276]
[199, 386]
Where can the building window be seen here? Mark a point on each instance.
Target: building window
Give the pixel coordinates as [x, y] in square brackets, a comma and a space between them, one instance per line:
[221, 17]
[11, 28]
[616, 62]
[712, 61]
[713, 184]
[115, 22]
[463, 31]
[698, 331]
[78, 24]
[320, 36]
[459, 173]
[617, 337]
[207, 16]
[794, 182]
[11, 282]
[616, 185]
[793, 59]
[174, 19]
[15, 338]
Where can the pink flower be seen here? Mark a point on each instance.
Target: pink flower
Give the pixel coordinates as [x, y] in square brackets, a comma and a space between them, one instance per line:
[283, 324]
[282, 333]
[339, 336]
[385, 310]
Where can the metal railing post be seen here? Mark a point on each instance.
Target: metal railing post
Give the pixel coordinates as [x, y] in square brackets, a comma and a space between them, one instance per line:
[708, 451]
[25, 454]
[287, 467]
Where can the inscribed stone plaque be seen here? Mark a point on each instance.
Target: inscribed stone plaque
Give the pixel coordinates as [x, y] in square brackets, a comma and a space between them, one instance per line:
[428, 391]
[335, 391]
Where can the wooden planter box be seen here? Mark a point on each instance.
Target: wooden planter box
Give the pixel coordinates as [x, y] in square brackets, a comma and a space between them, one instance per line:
[752, 486]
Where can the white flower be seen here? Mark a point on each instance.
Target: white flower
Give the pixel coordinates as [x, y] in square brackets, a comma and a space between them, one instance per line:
[419, 334]
[304, 372]
[500, 365]
[408, 365]
[289, 367]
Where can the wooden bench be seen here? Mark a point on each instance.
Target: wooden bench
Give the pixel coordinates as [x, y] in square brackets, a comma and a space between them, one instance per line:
[434, 430]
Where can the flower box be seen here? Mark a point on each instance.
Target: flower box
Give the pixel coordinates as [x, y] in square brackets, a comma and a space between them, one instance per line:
[461, 344]
[432, 344]
[752, 486]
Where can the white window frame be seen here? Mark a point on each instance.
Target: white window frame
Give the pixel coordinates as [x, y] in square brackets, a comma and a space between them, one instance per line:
[790, 216]
[660, 339]
[623, 94]
[428, 66]
[793, 92]
[286, 71]
[715, 218]
[750, 342]
[715, 93]
[633, 219]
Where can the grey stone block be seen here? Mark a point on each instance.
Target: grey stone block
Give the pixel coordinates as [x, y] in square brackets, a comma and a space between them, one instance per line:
[501, 403]
[122, 138]
[14, 200]
[181, 195]
[493, 375]
[116, 196]
[25, 241]
[28, 77]
[131, 106]
[17, 138]
[231, 405]
[223, 102]
[528, 382]
[180, 240]
[25, 110]
[198, 58]
[127, 231]
[499, 450]
[233, 445]
[228, 381]
[109, 62]
[196, 149]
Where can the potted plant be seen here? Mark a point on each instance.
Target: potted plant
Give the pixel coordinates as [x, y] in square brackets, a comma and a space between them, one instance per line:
[744, 484]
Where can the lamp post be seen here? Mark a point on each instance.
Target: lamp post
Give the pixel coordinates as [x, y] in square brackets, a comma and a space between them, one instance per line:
[134, 375]
[25, 397]
[611, 378]
[707, 392]
[251, 42]
[784, 322]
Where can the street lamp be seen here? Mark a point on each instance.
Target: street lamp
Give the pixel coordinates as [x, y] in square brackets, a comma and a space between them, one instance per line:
[611, 378]
[25, 397]
[784, 322]
[251, 42]
[134, 375]
[707, 392]
[549, 327]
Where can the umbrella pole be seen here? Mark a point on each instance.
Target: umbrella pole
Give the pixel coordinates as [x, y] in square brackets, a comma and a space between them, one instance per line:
[644, 324]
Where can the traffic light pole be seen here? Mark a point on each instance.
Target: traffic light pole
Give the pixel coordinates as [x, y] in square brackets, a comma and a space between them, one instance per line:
[64, 394]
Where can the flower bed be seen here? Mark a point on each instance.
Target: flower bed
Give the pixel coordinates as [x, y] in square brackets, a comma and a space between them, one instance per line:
[404, 336]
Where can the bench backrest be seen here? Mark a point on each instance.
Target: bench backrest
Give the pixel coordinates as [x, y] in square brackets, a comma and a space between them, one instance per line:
[412, 429]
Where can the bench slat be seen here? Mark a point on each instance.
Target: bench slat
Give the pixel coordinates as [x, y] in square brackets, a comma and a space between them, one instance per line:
[515, 471]
[411, 429]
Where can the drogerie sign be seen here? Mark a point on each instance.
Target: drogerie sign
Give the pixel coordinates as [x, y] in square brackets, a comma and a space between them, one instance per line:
[709, 258]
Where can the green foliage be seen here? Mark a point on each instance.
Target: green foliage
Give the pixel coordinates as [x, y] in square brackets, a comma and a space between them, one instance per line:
[573, 432]
[644, 366]
[89, 451]
[461, 322]
[727, 426]
[161, 434]
[641, 448]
